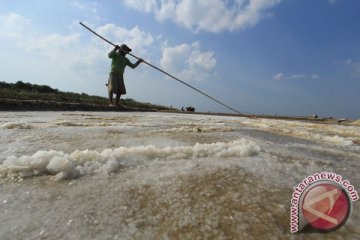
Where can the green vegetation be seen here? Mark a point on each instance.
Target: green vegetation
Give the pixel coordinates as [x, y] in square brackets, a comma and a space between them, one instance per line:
[28, 91]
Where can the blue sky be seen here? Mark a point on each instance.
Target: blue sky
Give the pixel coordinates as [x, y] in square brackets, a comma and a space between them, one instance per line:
[285, 57]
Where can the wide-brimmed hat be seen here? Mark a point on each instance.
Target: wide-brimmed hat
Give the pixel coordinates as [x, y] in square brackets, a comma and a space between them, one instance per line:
[125, 48]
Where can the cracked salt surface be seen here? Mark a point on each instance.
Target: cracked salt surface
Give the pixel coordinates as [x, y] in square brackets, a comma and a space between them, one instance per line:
[163, 176]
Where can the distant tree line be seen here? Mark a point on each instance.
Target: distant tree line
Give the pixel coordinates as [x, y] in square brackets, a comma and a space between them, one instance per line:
[28, 91]
[28, 87]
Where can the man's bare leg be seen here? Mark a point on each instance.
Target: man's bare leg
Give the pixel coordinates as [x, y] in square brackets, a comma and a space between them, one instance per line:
[110, 98]
[117, 99]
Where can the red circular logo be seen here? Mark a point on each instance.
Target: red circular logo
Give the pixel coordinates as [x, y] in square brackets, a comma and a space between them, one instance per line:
[326, 207]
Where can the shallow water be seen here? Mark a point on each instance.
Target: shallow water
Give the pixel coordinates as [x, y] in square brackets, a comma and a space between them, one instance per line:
[93, 175]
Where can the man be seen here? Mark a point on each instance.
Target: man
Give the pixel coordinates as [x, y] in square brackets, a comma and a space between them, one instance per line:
[116, 79]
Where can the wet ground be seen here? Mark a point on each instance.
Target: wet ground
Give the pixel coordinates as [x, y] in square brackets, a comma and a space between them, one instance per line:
[94, 175]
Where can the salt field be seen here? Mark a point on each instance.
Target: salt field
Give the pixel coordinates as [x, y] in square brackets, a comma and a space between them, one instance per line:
[111, 175]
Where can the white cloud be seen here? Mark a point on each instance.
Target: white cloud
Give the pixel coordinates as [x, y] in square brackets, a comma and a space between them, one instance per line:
[278, 76]
[165, 10]
[56, 48]
[77, 4]
[356, 67]
[51, 48]
[315, 76]
[353, 65]
[282, 76]
[142, 5]
[175, 58]
[332, 2]
[213, 15]
[296, 76]
[188, 61]
[12, 25]
[135, 38]
[203, 60]
[88, 9]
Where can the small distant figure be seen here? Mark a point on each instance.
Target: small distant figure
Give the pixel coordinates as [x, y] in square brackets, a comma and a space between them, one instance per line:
[190, 109]
[182, 109]
[116, 77]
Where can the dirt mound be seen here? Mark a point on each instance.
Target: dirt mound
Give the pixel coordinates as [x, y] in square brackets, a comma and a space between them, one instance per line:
[357, 122]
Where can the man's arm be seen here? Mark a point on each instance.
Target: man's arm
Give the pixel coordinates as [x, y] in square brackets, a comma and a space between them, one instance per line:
[134, 65]
[113, 52]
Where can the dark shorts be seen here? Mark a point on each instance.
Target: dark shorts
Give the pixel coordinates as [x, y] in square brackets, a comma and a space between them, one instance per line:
[116, 83]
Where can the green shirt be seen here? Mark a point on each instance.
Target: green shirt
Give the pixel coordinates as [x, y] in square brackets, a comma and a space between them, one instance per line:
[119, 62]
